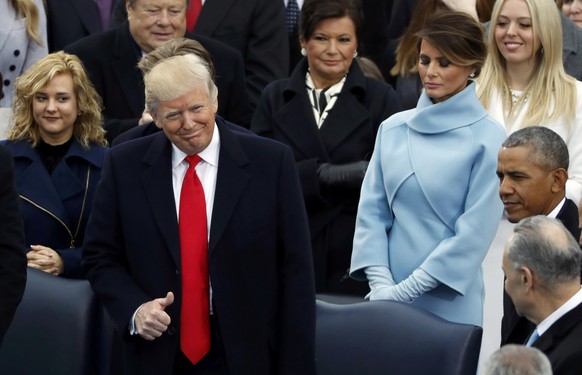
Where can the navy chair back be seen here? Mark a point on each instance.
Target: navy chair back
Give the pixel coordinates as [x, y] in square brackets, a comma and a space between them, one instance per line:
[59, 328]
[386, 337]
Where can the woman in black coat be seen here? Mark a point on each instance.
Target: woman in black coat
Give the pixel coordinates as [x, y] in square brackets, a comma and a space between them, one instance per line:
[328, 112]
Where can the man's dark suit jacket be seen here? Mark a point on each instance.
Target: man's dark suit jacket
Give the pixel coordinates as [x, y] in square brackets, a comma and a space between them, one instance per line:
[256, 28]
[562, 343]
[374, 36]
[71, 20]
[12, 253]
[111, 58]
[516, 329]
[259, 253]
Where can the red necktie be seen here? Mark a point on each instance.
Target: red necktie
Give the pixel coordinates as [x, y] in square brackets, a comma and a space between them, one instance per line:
[192, 14]
[195, 319]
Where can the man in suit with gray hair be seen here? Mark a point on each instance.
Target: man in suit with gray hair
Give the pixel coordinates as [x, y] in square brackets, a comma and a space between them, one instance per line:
[541, 262]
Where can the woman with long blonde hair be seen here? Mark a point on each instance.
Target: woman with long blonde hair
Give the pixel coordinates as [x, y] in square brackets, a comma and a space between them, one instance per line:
[523, 82]
[23, 40]
[58, 144]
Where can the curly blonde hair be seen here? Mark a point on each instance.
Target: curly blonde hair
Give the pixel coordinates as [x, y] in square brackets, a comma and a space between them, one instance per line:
[88, 127]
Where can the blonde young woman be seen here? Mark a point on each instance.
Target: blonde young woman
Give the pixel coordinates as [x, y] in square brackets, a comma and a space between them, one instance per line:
[58, 145]
[523, 82]
[23, 40]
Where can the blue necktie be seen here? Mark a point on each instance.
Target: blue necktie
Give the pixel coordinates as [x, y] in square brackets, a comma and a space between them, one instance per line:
[532, 338]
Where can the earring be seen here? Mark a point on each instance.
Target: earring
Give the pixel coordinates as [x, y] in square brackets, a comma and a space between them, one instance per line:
[303, 52]
[472, 75]
[355, 54]
[542, 50]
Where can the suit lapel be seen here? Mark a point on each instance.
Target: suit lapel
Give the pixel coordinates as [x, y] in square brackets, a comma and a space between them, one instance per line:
[231, 181]
[346, 116]
[297, 122]
[35, 184]
[124, 66]
[211, 16]
[9, 23]
[559, 329]
[568, 215]
[156, 179]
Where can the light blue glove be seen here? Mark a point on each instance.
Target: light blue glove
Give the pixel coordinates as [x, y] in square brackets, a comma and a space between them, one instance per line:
[382, 286]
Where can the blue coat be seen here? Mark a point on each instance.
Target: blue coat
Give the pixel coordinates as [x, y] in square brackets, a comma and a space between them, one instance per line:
[52, 205]
[429, 200]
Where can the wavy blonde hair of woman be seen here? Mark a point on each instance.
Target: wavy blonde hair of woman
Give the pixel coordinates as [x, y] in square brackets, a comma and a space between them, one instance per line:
[27, 9]
[87, 128]
[550, 91]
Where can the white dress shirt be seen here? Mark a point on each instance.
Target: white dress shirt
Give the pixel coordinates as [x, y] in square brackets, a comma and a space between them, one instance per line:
[207, 170]
[299, 3]
[545, 324]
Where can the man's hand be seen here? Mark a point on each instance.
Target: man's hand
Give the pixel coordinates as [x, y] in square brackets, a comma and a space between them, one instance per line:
[45, 259]
[146, 118]
[151, 320]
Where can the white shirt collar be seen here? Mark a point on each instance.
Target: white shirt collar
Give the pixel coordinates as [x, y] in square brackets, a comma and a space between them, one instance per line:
[209, 154]
[574, 301]
[556, 210]
[299, 3]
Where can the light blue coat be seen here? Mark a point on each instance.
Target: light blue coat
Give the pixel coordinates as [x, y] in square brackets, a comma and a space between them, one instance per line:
[17, 50]
[430, 200]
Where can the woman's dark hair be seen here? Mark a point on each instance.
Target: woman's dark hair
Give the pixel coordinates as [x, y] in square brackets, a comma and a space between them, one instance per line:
[458, 36]
[314, 11]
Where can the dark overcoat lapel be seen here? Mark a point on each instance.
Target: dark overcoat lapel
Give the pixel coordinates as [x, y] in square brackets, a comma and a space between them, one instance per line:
[86, 12]
[212, 14]
[296, 120]
[156, 179]
[231, 181]
[124, 64]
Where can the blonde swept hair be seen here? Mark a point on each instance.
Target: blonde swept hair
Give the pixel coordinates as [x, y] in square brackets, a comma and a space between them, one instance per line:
[27, 9]
[550, 91]
[176, 76]
[87, 128]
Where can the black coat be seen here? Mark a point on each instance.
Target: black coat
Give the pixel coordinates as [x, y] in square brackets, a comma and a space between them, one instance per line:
[111, 57]
[258, 30]
[12, 252]
[516, 329]
[347, 135]
[258, 253]
[71, 20]
[562, 343]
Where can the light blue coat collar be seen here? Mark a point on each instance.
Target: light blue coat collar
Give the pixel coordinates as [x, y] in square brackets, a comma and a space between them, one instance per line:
[430, 118]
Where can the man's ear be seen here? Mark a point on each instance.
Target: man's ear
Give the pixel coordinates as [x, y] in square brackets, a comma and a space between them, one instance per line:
[527, 278]
[560, 176]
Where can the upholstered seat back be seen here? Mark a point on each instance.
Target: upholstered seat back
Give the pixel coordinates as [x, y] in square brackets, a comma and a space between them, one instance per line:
[386, 337]
[59, 328]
